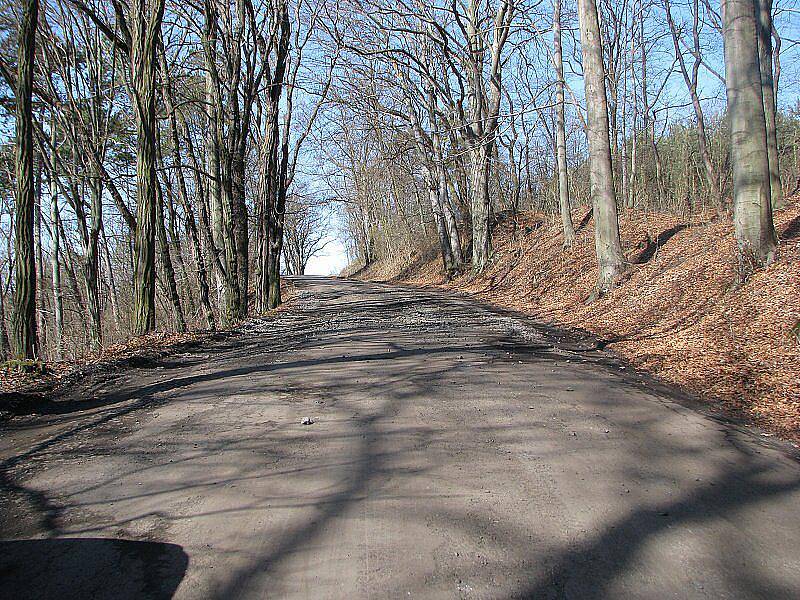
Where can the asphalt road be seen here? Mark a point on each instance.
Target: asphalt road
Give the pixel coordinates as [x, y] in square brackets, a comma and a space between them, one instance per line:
[455, 451]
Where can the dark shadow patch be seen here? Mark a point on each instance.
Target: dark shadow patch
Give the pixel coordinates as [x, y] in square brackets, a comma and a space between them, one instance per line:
[652, 246]
[591, 568]
[96, 568]
[792, 229]
[585, 220]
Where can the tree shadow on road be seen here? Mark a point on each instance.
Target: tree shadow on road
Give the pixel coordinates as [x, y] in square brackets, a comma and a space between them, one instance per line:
[591, 566]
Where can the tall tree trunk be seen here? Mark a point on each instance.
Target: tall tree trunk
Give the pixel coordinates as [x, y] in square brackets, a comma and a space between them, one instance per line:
[92, 263]
[25, 339]
[55, 218]
[241, 239]
[561, 137]
[755, 232]
[145, 28]
[41, 309]
[481, 208]
[169, 270]
[610, 259]
[4, 343]
[276, 239]
[274, 163]
[769, 92]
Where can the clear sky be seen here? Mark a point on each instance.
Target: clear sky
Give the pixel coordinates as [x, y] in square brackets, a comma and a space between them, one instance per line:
[331, 260]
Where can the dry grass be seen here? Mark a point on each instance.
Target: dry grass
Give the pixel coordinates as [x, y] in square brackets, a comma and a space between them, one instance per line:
[679, 314]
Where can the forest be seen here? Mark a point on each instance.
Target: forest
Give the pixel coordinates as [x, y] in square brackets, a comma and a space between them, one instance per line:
[164, 163]
[399, 299]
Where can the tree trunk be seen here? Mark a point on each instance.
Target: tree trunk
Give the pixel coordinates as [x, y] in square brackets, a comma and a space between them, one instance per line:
[25, 339]
[92, 263]
[241, 241]
[561, 137]
[55, 218]
[610, 259]
[769, 92]
[4, 343]
[41, 309]
[481, 228]
[755, 232]
[145, 28]
[276, 239]
[438, 218]
[112, 286]
[169, 270]
[450, 222]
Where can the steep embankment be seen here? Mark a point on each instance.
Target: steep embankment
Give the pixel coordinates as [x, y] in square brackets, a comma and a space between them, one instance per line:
[679, 314]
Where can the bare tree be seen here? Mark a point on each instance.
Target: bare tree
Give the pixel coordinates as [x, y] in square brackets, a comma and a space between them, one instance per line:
[691, 78]
[608, 247]
[24, 318]
[561, 137]
[144, 23]
[755, 232]
[305, 231]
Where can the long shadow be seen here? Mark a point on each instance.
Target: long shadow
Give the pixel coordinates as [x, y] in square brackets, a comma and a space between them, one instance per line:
[137, 398]
[55, 398]
[96, 568]
[649, 251]
[590, 569]
[585, 220]
[792, 229]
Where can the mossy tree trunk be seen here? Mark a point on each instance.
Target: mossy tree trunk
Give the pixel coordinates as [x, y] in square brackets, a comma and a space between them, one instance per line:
[144, 23]
[24, 315]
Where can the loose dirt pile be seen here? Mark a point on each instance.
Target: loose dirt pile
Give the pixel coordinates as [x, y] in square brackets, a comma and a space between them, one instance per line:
[679, 314]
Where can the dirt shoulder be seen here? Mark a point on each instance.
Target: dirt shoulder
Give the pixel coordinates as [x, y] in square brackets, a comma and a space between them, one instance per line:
[39, 388]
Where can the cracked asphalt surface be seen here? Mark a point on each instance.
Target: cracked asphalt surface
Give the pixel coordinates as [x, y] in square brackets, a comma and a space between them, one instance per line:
[456, 451]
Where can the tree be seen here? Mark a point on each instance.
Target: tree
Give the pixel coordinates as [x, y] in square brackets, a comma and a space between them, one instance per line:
[610, 260]
[25, 338]
[752, 202]
[561, 137]
[305, 232]
[769, 92]
[691, 78]
[144, 23]
[481, 128]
